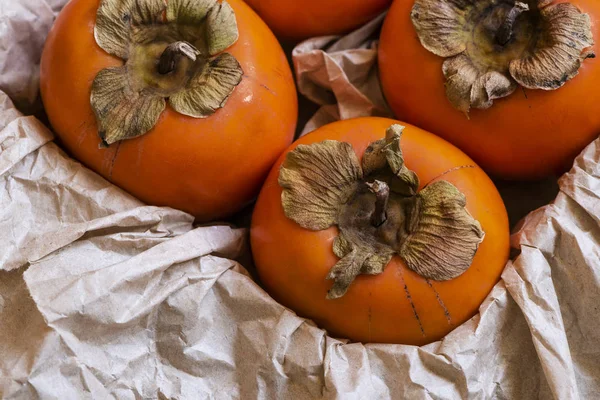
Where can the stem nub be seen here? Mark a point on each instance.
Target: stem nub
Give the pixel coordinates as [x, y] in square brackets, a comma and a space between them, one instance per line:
[382, 195]
[505, 32]
[170, 57]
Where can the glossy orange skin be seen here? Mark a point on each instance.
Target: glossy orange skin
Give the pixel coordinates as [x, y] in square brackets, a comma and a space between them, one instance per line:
[293, 262]
[209, 167]
[528, 135]
[298, 20]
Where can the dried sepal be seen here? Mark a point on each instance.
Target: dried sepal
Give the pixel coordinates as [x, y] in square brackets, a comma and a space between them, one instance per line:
[387, 153]
[357, 261]
[345, 271]
[317, 180]
[374, 157]
[146, 12]
[210, 88]
[567, 33]
[460, 75]
[354, 258]
[342, 246]
[489, 87]
[121, 111]
[544, 3]
[188, 12]
[467, 87]
[376, 263]
[405, 181]
[441, 25]
[222, 30]
[112, 30]
[444, 238]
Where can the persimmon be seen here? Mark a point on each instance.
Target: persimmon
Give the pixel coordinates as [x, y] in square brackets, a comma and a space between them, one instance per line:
[185, 103]
[298, 20]
[510, 83]
[379, 232]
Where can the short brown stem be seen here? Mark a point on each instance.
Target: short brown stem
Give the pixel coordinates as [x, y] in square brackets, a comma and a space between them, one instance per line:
[505, 32]
[170, 57]
[382, 196]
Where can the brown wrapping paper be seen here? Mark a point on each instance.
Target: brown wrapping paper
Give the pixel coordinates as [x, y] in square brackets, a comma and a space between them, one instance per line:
[102, 297]
[24, 25]
[340, 74]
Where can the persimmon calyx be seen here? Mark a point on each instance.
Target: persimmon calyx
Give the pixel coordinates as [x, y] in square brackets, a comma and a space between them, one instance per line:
[169, 58]
[378, 211]
[172, 52]
[493, 46]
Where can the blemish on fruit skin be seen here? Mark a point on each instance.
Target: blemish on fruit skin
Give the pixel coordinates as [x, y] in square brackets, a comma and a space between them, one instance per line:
[82, 130]
[440, 302]
[412, 304]
[113, 161]
[449, 171]
[267, 88]
[370, 315]
[108, 160]
[139, 153]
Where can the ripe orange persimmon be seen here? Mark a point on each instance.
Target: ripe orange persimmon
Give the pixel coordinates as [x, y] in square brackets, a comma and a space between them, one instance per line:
[195, 99]
[321, 217]
[297, 20]
[489, 78]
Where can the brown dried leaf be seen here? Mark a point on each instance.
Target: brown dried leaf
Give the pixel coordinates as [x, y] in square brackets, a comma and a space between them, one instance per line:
[189, 12]
[445, 238]
[317, 180]
[121, 112]
[406, 182]
[147, 12]
[441, 25]
[489, 87]
[376, 263]
[210, 88]
[460, 75]
[222, 29]
[374, 158]
[341, 245]
[345, 271]
[567, 33]
[112, 29]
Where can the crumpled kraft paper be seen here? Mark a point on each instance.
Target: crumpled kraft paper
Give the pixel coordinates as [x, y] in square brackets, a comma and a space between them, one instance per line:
[340, 74]
[102, 297]
[24, 25]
